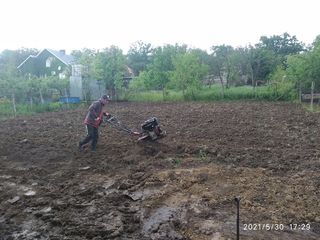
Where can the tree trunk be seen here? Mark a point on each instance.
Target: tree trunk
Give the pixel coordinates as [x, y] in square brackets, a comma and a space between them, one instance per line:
[255, 90]
[227, 79]
[193, 95]
[311, 102]
[31, 101]
[163, 93]
[113, 93]
[41, 97]
[210, 80]
[222, 85]
[252, 76]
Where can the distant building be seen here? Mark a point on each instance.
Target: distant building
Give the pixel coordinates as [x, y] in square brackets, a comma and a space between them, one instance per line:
[57, 63]
[47, 63]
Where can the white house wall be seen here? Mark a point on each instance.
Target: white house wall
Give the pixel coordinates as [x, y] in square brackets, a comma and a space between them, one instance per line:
[76, 87]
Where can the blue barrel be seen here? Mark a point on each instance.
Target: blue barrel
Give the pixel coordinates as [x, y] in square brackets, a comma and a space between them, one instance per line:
[69, 99]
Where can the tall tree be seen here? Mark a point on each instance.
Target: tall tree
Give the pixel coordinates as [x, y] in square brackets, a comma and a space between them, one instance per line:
[240, 66]
[282, 46]
[188, 73]
[161, 67]
[11, 59]
[109, 67]
[304, 68]
[139, 56]
[158, 71]
[221, 65]
[262, 63]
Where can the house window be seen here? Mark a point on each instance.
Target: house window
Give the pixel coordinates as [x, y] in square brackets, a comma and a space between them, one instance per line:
[62, 76]
[49, 61]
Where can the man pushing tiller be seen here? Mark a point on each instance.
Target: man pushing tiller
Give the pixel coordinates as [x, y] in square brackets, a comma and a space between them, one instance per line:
[93, 120]
[95, 116]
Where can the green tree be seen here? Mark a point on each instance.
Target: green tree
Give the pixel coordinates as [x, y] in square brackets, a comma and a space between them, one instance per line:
[202, 55]
[304, 68]
[60, 85]
[240, 66]
[220, 64]
[13, 89]
[280, 86]
[139, 83]
[188, 73]
[262, 62]
[11, 59]
[282, 44]
[160, 69]
[109, 67]
[139, 56]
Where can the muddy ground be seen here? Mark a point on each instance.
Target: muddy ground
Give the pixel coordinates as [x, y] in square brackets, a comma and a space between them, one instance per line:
[180, 187]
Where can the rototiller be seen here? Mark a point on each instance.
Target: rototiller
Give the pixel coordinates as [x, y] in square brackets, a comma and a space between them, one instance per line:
[150, 129]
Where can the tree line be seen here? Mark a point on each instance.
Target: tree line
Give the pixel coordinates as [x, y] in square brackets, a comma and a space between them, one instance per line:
[280, 61]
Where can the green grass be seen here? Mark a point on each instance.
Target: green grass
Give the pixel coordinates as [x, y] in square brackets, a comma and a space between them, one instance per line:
[6, 109]
[315, 109]
[155, 96]
[213, 93]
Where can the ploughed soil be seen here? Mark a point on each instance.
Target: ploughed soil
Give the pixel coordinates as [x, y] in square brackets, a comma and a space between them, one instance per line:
[182, 186]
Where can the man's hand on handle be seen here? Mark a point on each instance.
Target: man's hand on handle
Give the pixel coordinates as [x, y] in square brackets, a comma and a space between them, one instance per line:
[108, 115]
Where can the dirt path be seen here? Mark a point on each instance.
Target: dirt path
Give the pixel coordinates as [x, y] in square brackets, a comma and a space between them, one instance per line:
[181, 187]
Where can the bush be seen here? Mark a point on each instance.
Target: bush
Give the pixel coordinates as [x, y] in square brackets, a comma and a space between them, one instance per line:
[6, 109]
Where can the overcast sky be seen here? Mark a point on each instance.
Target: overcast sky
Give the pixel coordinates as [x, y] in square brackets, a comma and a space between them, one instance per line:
[77, 24]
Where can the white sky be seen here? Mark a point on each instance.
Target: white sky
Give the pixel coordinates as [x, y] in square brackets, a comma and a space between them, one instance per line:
[76, 24]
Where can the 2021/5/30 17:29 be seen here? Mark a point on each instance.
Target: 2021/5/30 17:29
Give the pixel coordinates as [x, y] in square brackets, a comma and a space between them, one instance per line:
[276, 227]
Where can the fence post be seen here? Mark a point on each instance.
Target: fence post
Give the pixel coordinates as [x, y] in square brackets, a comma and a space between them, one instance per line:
[255, 90]
[14, 105]
[312, 89]
[66, 94]
[300, 92]
[237, 199]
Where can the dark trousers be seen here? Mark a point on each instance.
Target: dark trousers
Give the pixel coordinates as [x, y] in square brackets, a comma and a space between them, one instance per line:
[92, 135]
